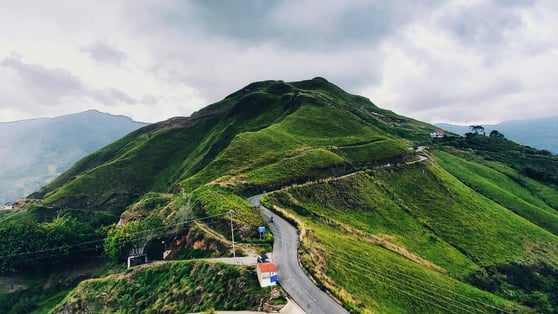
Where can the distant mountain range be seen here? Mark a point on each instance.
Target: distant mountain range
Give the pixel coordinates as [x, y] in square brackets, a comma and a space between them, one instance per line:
[33, 152]
[538, 133]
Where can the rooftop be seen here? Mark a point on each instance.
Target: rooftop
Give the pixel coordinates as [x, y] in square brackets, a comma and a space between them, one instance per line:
[268, 267]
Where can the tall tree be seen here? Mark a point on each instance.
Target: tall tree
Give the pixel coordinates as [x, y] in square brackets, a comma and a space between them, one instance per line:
[496, 133]
[477, 129]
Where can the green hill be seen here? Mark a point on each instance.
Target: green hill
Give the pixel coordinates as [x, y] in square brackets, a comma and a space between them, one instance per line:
[465, 225]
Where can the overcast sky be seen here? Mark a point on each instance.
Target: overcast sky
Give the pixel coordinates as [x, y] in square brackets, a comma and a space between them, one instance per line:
[437, 61]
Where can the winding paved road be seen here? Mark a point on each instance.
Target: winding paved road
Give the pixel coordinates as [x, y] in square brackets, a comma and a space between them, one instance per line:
[291, 276]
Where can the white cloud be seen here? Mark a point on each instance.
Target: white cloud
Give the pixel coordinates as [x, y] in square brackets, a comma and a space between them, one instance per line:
[45, 85]
[104, 53]
[431, 60]
[437, 74]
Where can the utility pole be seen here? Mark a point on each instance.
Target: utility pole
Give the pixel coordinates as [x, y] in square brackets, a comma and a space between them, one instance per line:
[232, 235]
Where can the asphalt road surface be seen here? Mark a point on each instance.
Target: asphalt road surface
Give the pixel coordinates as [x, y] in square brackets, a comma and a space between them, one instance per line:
[291, 276]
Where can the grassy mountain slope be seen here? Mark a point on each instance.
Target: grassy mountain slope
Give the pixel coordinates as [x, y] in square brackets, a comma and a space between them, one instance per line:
[300, 148]
[415, 210]
[224, 139]
[503, 190]
[382, 229]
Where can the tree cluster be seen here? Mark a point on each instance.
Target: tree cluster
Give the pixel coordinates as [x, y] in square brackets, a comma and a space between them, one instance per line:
[132, 238]
[479, 130]
[28, 245]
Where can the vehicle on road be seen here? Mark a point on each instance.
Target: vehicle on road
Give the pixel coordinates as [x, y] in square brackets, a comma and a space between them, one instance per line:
[263, 258]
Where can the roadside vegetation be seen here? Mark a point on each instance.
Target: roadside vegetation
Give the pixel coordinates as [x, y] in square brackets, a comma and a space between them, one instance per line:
[177, 287]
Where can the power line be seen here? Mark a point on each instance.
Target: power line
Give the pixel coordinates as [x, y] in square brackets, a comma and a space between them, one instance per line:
[446, 297]
[425, 292]
[101, 241]
[433, 294]
[450, 291]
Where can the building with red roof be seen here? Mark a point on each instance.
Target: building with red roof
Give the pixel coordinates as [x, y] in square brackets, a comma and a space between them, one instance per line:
[439, 133]
[267, 274]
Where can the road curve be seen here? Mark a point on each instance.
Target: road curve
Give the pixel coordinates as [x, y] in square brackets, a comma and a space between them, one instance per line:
[291, 276]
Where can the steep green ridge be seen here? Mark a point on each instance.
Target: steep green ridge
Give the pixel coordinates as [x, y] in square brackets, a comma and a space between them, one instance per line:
[155, 157]
[383, 229]
[213, 142]
[300, 148]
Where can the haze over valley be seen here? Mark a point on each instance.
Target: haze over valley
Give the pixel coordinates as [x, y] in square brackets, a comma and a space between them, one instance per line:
[33, 152]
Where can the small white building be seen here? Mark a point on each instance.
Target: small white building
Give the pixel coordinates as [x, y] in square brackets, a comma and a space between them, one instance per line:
[137, 260]
[14, 205]
[267, 274]
[8, 206]
[437, 133]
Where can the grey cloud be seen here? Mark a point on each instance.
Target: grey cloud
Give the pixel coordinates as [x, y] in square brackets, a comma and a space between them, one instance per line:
[148, 99]
[484, 24]
[111, 96]
[453, 95]
[104, 53]
[297, 25]
[351, 70]
[334, 22]
[216, 47]
[219, 46]
[245, 20]
[48, 86]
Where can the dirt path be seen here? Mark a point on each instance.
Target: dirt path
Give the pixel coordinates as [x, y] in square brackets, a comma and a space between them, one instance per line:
[244, 248]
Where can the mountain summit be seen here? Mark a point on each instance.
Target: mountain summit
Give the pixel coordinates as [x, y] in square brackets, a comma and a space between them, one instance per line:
[309, 119]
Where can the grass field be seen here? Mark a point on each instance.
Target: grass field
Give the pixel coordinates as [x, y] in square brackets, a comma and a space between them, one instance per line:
[380, 279]
[389, 232]
[388, 283]
[503, 190]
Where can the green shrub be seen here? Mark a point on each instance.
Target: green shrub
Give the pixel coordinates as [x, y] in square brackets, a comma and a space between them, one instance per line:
[132, 238]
